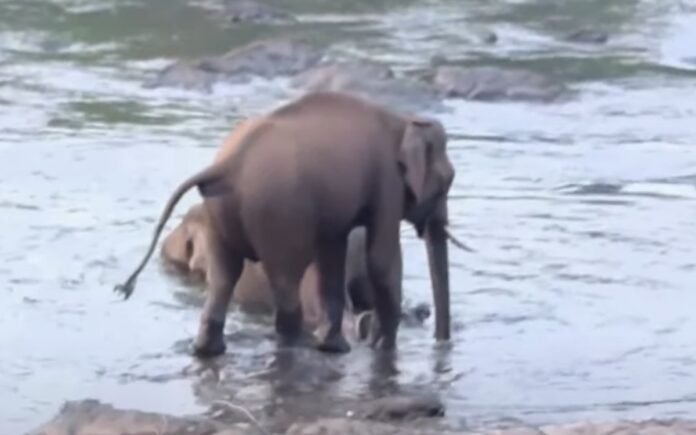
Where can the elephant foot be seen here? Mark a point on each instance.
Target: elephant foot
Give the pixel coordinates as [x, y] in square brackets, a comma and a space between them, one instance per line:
[380, 337]
[334, 343]
[290, 329]
[303, 339]
[210, 341]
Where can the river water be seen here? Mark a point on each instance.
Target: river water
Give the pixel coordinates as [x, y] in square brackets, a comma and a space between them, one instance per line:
[577, 304]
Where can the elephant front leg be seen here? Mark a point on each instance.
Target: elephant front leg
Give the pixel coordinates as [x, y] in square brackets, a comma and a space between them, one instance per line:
[331, 260]
[385, 272]
[224, 272]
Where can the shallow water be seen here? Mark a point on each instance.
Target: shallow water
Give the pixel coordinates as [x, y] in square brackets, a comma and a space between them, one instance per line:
[577, 303]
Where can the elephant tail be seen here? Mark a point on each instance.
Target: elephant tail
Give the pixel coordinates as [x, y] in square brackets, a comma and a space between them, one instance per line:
[209, 181]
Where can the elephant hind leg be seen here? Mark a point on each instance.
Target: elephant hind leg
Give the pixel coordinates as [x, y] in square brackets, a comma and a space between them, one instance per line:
[224, 270]
[331, 260]
[289, 318]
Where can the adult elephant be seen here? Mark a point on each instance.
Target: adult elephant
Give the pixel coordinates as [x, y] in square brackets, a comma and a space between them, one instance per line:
[307, 174]
[187, 248]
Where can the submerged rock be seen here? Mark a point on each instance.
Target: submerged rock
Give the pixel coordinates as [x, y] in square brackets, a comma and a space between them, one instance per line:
[266, 58]
[372, 81]
[490, 83]
[405, 408]
[245, 11]
[182, 74]
[331, 76]
[249, 11]
[587, 36]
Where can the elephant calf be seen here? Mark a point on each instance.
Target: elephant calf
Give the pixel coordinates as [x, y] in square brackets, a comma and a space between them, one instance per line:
[187, 248]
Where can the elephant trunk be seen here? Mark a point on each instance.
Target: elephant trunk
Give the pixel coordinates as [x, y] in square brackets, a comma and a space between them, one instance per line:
[438, 258]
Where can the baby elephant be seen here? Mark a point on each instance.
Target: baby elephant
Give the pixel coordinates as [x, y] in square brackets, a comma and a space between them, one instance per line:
[187, 249]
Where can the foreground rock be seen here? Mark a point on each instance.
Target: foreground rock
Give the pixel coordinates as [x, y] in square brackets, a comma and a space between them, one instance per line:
[352, 427]
[90, 417]
[266, 58]
[340, 426]
[490, 83]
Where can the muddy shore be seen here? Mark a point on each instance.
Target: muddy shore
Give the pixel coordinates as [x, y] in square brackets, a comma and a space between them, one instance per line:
[385, 417]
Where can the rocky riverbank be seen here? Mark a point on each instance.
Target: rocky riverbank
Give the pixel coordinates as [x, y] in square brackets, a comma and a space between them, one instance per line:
[388, 416]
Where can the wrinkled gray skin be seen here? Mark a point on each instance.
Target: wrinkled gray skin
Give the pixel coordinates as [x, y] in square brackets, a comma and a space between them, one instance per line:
[372, 80]
[266, 58]
[307, 174]
[491, 83]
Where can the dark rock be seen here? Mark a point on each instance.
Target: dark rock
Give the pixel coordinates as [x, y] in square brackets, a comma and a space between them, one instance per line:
[245, 11]
[249, 11]
[333, 75]
[373, 82]
[598, 188]
[587, 36]
[182, 74]
[405, 408]
[489, 83]
[489, 37]
[267, 58]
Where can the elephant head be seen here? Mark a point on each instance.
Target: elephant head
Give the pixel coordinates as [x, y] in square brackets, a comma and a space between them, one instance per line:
[428, 174]
[186, 246]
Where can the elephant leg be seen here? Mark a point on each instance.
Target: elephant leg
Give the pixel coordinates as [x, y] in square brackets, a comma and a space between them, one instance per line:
[223, 272]
[331, 262]
[289, 319]
[383, 327]
[384, 267]
[358, 285]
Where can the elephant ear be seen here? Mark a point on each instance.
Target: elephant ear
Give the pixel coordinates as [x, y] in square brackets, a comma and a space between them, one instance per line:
[413, 156]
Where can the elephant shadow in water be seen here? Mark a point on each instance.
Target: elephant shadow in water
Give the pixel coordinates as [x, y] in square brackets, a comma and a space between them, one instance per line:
[185, 251]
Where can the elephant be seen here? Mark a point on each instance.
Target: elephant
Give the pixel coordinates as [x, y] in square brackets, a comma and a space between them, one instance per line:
[186, 249]
[304, 176]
